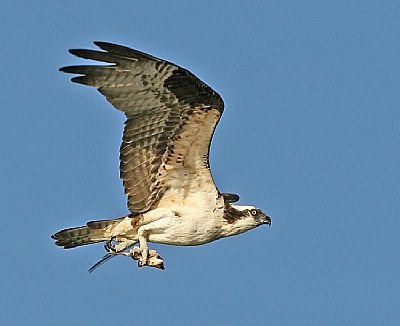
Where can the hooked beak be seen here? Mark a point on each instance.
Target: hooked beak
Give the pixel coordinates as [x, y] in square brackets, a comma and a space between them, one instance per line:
[267, 220]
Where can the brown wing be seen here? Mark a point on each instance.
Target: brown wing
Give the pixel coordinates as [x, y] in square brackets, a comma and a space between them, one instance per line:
[171, 116]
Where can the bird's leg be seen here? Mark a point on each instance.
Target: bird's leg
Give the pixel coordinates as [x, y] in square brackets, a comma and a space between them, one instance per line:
[153, 259]
[143, 247]
[160, 220]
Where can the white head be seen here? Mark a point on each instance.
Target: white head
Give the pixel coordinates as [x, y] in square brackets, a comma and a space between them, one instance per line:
[242, 218]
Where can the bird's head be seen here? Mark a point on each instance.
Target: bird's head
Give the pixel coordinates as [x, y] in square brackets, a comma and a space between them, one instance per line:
[251, 214]
[259, 216]
[255, 213]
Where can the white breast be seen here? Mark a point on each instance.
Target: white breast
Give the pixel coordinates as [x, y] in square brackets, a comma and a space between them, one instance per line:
[188, 224]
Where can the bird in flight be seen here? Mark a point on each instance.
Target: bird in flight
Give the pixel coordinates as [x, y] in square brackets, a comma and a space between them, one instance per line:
[171, 116]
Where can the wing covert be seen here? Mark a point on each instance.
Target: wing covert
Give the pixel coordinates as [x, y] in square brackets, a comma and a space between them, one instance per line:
[171, 116]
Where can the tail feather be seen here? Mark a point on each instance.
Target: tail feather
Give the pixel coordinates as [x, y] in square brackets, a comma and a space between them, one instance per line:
[102, 224]
[93, 232]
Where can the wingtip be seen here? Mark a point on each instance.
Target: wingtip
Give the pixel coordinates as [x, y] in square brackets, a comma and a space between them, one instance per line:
[74, 51]
[107, 46]
[76, 79]
[100, 44]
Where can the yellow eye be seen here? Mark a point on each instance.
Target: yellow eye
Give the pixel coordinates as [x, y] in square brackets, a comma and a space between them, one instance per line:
[254, 212]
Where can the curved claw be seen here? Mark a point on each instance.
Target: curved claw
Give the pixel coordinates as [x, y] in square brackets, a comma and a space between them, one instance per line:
[140, 261]
[109, 247]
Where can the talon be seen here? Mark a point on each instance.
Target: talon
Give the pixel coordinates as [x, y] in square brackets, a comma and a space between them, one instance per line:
[140, 264]
[109, 247]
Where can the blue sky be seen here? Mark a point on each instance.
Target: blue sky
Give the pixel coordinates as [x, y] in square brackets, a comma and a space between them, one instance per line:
[310, 134]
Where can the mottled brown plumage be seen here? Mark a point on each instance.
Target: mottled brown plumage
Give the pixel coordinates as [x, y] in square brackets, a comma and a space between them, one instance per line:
[171, 116]
[158, 98]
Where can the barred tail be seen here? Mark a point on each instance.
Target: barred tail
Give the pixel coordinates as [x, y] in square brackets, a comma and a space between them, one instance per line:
[93, 232]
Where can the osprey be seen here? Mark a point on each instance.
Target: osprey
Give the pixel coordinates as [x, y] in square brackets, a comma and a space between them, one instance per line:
[171, 116]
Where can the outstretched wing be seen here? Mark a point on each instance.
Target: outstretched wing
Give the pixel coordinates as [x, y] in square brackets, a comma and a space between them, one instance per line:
[171, 116]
